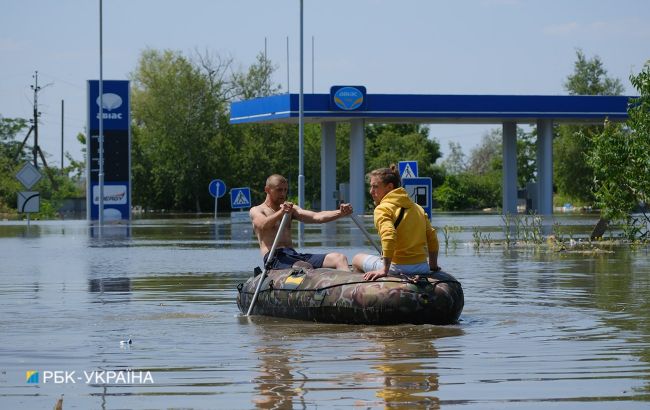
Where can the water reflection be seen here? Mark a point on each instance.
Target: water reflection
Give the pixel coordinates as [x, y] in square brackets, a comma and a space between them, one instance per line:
[276, 387]
[408, 371]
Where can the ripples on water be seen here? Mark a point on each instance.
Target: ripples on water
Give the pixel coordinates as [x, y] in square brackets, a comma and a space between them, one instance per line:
[539, 329]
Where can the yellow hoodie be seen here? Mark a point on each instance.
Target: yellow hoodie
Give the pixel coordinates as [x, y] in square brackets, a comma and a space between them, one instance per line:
[408, 243]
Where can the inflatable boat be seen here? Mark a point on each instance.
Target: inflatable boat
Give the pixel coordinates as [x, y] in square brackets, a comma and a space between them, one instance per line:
[335, 296]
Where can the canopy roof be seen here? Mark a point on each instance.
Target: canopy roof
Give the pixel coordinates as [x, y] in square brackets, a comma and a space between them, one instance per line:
[432, 109]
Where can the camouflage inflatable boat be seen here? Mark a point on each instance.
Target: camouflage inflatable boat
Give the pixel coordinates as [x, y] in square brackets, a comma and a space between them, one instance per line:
[334, 296]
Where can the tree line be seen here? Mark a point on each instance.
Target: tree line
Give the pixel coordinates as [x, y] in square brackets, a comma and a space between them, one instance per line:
[182, 139]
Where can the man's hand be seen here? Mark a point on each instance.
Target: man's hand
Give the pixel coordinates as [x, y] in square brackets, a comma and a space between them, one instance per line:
[346, 209]
[286, 207]
[434, 267]
[374, 275]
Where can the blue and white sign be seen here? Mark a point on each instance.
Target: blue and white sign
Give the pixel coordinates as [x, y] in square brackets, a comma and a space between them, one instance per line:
[115, 104]
[217, 188]
[408, 169]
[348, 98]
[115, 107]
[420, 191]
[240, 198]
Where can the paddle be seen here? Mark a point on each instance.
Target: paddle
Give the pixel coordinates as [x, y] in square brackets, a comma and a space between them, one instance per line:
[285, 218]
[365, 232]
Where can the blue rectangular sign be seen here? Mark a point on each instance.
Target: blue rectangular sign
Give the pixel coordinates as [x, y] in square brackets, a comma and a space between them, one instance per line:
[420, 191]
[240, 198]
[117, 150]
[116, 104]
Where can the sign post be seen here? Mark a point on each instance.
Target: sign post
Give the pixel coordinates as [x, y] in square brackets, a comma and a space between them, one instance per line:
[108, 170]
[28, 201]
[217, 189]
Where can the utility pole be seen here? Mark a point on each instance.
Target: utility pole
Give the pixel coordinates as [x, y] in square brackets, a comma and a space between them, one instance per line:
[62, 107]
[36, 150]
[36, 89]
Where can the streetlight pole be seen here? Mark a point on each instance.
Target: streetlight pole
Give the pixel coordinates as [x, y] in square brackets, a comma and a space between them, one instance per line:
[101, 121]
[301, 134]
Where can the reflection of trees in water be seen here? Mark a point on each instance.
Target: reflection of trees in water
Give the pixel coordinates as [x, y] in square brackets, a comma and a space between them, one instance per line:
[612, 279]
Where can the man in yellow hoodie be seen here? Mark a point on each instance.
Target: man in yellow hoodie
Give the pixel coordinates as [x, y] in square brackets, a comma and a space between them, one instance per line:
[407, 237]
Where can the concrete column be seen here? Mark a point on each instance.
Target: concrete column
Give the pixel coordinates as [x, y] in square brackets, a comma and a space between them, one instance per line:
[509, 168]
[545, 167]
[357, 166]
[328, 166]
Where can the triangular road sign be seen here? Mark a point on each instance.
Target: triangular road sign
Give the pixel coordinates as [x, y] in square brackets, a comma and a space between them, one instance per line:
[408, 172]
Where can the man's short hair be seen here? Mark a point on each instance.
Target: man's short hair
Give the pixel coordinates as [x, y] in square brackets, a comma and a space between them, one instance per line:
[275, 179]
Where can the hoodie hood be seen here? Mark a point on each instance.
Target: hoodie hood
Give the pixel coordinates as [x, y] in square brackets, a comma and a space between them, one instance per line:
[398, 197]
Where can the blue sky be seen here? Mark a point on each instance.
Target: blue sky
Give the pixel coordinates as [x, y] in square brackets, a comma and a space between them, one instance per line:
[409, 46]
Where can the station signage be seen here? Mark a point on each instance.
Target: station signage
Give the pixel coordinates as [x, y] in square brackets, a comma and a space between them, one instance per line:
[348, 98]
[115, 112]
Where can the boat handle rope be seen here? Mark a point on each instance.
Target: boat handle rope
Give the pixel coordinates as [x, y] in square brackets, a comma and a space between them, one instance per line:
[240, 286]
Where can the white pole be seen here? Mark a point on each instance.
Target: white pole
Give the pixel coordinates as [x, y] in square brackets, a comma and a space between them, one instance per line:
[215, 206]
[101, 121]
[312, 64]
[301, 134]
[288, 91]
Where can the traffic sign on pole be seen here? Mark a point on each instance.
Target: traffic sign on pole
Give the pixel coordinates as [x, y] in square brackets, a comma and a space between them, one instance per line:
[408, 169]
[240, 198]
[28, 175]
[217, 189]
[419, 189]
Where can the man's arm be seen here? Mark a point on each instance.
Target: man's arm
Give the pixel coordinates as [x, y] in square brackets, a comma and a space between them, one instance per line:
[308, 216]
[263, 222]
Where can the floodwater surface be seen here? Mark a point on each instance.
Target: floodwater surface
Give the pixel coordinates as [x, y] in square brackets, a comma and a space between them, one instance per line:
[540, 329]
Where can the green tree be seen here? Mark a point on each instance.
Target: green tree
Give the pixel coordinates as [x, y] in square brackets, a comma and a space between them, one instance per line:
[573, 175]
[178, 106]
[390, 143]
[621, 157]
[455, 162]
[10, 158]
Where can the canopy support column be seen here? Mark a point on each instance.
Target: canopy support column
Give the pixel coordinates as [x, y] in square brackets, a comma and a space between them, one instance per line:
[509, 168]
[357, 166]
[545, 166]
[328, 166]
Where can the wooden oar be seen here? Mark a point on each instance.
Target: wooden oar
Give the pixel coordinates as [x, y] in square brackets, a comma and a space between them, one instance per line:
[365, 232]
[285, 218]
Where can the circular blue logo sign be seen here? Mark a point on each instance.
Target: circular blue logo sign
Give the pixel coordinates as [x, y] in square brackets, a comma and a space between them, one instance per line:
[348, 98]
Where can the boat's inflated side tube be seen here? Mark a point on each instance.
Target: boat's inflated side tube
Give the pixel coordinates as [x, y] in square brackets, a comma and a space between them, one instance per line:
[334, 296]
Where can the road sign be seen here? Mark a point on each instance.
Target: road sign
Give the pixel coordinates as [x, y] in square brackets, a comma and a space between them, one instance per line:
[408, 169]
[28, 201]
[28, 175]
[240, 198]
[419, 189]
[217, 188]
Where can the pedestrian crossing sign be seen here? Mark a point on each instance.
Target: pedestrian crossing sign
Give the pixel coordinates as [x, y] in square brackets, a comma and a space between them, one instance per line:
[408, 169]
[240, 198]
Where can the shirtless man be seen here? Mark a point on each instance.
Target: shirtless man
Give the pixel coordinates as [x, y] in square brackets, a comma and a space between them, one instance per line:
[266, 219]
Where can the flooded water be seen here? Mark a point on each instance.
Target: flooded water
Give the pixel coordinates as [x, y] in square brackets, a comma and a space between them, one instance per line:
[540, 329]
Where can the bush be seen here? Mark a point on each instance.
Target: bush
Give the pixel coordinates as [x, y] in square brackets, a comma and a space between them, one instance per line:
[468, 191]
